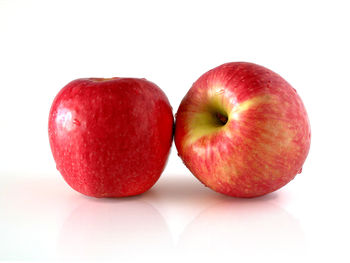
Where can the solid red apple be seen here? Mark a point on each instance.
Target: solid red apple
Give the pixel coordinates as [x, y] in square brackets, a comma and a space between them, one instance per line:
[110, 137]
[242, 130]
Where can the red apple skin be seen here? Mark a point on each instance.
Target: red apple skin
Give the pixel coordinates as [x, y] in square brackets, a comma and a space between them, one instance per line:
[266, 138]
[111, 137]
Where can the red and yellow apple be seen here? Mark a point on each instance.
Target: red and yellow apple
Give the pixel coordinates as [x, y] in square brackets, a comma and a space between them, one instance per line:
[242, 130]
[110, 137]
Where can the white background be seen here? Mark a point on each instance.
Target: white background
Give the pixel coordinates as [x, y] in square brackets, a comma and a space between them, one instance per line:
[46, 44]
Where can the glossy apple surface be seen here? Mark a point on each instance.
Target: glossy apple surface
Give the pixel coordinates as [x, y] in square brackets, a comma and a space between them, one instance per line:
[110, 137]
[242, 130]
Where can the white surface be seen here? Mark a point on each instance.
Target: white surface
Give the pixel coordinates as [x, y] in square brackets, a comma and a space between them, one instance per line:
[46, 44]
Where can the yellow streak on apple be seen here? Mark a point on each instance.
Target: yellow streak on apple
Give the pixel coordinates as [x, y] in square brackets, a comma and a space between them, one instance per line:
[203, 123]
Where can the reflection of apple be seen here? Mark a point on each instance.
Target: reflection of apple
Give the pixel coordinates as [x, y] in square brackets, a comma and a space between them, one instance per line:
[246, 229]
[242, 130]
[107, 229]
[110, 137]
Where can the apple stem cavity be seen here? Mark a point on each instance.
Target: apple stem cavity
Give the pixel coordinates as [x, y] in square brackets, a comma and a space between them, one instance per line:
[102, 79]
[221, 118]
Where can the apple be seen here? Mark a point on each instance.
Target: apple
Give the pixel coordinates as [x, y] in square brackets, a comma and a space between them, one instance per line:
[242, 130]
[111, 137]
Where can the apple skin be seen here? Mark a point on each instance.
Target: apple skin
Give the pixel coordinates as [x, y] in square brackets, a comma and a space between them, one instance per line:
[111, 137]
[242, 130]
